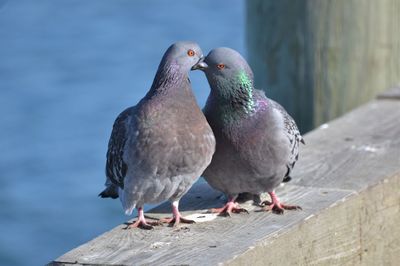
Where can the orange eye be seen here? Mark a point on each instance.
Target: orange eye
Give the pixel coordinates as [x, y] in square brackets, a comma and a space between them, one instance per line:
[221, 66]
[190, 52]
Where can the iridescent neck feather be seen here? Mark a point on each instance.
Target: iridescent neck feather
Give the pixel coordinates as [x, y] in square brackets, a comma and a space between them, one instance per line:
[234, 97]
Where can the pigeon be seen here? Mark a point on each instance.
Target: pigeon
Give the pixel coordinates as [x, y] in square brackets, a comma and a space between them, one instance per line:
[161, 146]
[257, 140]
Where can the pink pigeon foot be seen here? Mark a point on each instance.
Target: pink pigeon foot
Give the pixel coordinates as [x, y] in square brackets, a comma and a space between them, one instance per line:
[141, 222]
[177, 217]
[230, 207]
[276, 206]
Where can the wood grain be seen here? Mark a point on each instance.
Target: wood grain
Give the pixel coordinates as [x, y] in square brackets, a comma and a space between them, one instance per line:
[203, 243]
[354, 151]
[320, 59]
[362, 230]
[347, 181]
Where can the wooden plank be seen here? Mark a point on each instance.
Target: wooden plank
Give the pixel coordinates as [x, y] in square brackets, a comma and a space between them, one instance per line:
[354, 151]
[346, 180]
[203, 243]
[393, 94]
[379, 223]
[363, 230]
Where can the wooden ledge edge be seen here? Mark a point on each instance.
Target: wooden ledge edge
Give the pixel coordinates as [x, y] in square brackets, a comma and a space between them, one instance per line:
[361, 230]
[391, 94]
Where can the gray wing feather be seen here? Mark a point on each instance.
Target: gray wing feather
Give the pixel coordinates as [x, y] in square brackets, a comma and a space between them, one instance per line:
[116, 168]
[294, 136]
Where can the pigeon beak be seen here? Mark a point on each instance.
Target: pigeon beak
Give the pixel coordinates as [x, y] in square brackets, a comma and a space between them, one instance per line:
[200, 64]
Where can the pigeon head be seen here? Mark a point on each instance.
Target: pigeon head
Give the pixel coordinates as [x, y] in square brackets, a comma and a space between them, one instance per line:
[175, 65]
[184, 54]
[229, 76]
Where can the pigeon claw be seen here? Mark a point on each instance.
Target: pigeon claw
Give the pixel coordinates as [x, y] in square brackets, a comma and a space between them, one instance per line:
[142, 225]
[277, 207]
[228, 209]
[177, 217]
[175, 221]
[141, 222]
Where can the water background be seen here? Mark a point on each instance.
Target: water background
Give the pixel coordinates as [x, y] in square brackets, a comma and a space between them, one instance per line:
[67, 68]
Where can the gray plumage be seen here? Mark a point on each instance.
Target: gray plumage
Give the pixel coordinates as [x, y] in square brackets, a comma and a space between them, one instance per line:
[257, 140]
[160, 147]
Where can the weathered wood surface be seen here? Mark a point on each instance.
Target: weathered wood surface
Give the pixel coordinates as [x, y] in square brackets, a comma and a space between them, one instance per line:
[347, 181]
[207, 243]
[393, 94]
[353, 152]
[320, 59]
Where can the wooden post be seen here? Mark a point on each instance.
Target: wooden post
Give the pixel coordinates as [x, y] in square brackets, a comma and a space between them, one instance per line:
[320, 59]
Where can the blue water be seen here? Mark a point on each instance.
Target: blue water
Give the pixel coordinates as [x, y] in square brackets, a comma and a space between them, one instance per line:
[67, 68]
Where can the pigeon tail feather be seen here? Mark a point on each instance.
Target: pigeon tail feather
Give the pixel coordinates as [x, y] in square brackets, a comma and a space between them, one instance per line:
[109, 192]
